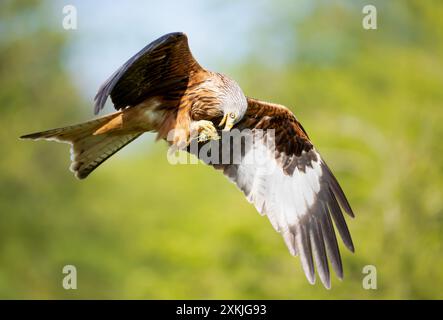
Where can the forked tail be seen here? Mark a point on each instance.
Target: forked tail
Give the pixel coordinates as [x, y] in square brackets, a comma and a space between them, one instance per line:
[89, 146]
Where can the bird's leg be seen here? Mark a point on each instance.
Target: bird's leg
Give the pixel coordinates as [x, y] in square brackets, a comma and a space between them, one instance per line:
[203, 130]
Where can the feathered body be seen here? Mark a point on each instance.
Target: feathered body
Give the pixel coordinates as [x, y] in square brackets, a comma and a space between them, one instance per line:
[163, 89]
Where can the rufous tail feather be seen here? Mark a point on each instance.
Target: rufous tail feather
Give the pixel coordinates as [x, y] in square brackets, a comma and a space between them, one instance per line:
[90, 144]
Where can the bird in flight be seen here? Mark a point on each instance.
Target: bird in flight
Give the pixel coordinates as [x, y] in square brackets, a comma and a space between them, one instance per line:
[163, 89]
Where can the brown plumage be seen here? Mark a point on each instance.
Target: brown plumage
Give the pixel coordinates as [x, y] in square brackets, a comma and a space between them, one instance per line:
[163, 89]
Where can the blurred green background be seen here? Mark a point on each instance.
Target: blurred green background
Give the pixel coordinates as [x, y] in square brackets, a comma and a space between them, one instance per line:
[139, 227]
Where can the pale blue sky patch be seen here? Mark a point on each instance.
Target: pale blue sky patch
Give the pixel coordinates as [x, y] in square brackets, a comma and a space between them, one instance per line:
[221, 33]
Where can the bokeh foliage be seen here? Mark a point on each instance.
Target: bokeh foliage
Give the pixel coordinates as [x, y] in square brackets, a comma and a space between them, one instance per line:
[142, 228]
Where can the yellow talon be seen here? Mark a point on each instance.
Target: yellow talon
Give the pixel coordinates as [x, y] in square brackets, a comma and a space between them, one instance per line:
[206, 131]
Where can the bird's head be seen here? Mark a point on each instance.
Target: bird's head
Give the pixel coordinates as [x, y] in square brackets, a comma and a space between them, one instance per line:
[233, 106]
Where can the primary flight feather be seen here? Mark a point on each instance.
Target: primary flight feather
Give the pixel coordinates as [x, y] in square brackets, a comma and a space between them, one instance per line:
[163, 89]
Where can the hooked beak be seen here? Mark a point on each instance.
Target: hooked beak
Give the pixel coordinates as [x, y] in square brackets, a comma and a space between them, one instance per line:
[228, 122]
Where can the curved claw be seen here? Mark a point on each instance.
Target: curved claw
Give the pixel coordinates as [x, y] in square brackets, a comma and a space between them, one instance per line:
[206, 131]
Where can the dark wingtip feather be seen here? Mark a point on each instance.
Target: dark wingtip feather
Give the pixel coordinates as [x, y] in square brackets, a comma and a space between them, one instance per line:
[26, 137]
[32, 136]
[337, 201]
[101, 96]
[331, 243]
[340, 222]
[319, 252]
[327, 283]
[338, 191]
[106, 89]
[303, 246]
[351, 247]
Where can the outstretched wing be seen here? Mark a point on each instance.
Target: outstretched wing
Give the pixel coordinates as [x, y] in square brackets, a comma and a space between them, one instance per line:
[287, 180]
[163, 67]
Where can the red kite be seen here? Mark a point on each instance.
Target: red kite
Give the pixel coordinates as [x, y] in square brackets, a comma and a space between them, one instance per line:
[163, 89]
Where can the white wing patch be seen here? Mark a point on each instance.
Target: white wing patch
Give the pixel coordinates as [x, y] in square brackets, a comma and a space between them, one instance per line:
[298, 205]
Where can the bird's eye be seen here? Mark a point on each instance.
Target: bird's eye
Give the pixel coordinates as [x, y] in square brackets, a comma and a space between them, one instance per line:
[232, 115]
